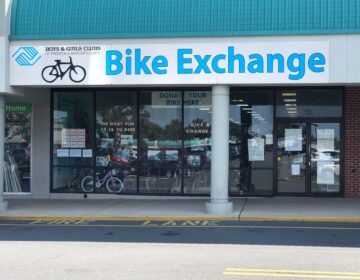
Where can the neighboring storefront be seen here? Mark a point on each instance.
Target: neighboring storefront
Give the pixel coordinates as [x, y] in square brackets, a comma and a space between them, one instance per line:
[17, 147]
[138, 109]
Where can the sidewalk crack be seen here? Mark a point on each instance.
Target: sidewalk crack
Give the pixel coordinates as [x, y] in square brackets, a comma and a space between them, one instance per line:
[242, 208]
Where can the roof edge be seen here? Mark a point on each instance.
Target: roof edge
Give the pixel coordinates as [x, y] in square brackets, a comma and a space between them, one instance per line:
[179, 35]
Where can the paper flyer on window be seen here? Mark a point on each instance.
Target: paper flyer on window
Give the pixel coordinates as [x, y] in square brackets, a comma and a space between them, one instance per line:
[326, 139]
[293, 139]
[256, 149]
[295, 169]
[325, 173]
[62, 153]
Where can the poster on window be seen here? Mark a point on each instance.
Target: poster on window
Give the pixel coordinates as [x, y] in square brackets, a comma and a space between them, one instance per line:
[17, 144]
[325, 139]
[295, 169]
[87, 153]
[166, 99]
[173, 99]
[76, 153]
[73, 138]
[325, 173]
[62, 153]
[256, 149]
[293, 140]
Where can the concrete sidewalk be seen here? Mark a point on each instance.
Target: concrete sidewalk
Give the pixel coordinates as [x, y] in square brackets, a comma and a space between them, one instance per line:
[277, 208]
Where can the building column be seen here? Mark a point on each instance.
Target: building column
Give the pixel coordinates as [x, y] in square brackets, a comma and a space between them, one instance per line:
[3, 203]
[219, 193]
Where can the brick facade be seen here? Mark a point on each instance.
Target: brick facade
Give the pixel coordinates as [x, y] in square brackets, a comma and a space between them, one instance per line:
[352, 142]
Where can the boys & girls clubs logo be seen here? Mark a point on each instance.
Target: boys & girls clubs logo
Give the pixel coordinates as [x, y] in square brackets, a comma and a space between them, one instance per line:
[28, 56]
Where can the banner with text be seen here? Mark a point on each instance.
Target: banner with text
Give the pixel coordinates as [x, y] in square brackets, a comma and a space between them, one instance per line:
[172, 63]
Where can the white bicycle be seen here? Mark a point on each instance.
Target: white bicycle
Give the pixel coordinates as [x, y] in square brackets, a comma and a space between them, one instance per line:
[113, 184]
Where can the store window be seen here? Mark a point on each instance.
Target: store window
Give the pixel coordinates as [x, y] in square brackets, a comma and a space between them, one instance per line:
[251, 142]
[73, 137]
[17, 147]
[124, 141]
[116, 139]
[160, 142]
[197, 141]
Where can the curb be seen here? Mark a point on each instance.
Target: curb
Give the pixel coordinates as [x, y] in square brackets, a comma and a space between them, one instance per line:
[301, 219]
[121, 218]
[186, 218]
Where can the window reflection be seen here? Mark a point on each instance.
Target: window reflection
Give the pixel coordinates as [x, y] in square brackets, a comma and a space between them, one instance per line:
[197, 141]
[251, 182]
[160, 141]
[17, 147]
[145, 141]
[68, 179]
[116, 136]
[291, 157]
[251, 137]
[73, 128]
[251, 130]
[325, 157]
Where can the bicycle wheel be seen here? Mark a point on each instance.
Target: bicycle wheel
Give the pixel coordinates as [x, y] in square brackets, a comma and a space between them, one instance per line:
[87, 184]
[50, 73]
[77, 74]
[73, 182]
[200, 180]
[114, 185]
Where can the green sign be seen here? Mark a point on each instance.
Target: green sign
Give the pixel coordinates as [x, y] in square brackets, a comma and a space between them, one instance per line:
[17, 107]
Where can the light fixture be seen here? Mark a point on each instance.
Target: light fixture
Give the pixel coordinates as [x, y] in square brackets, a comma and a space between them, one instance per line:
[288, 94]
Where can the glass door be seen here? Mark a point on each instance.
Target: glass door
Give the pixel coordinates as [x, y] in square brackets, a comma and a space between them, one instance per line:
[291, 157]
[325, 157]
[308, 157]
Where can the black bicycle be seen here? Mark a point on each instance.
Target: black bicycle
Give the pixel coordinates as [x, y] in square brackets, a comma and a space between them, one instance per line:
[51, 73]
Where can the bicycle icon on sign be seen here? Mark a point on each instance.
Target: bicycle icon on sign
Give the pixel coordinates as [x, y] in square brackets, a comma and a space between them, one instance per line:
[51, 73]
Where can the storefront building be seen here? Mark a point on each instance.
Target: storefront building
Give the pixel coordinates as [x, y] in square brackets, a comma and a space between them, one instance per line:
[180, 98]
